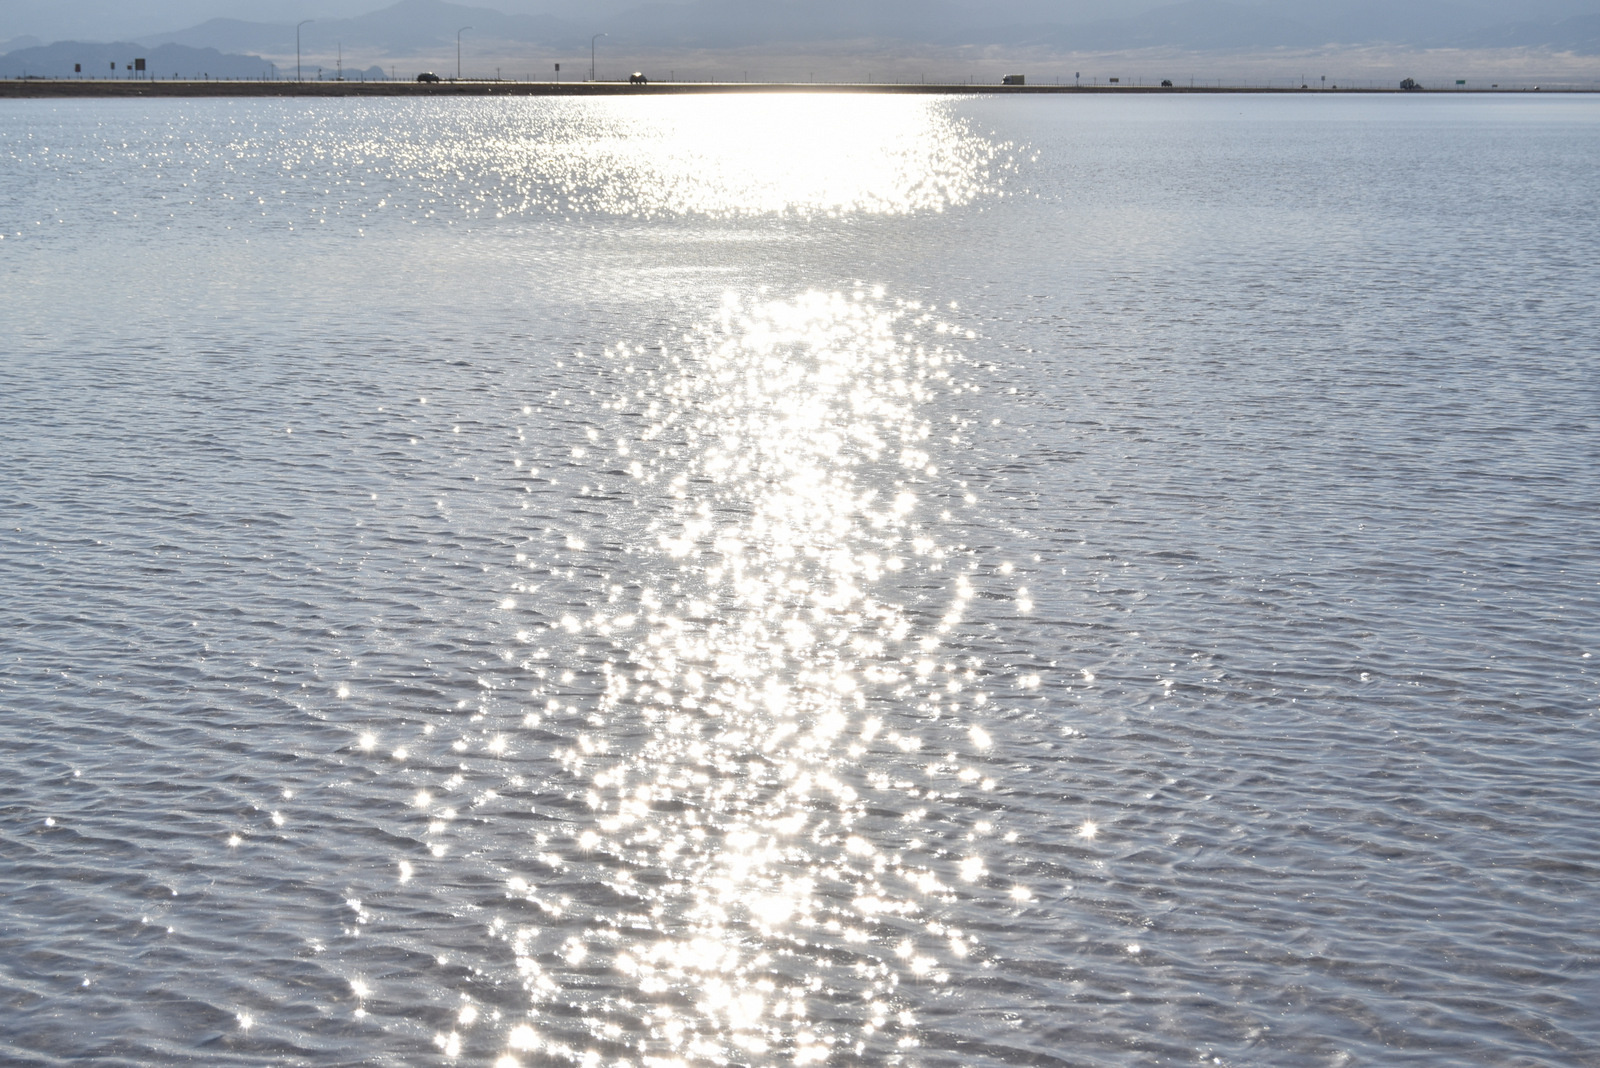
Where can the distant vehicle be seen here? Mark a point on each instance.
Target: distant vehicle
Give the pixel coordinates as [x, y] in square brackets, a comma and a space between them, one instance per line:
[638, 79]
[427, 76]
[1013, 79]
[1166, 83]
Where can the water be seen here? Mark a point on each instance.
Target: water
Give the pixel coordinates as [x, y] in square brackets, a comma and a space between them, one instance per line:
[800, 581]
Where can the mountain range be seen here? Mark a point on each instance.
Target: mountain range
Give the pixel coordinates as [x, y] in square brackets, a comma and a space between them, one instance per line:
[83, 59]
[415, 27]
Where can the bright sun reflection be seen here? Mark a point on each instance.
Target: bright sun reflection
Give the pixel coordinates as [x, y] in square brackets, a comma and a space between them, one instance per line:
[805, 154]
[787, 446]
[749, 155]
[747, 704]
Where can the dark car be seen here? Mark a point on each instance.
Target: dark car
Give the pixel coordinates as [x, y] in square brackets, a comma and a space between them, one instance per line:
[638, 79]
[427, 76]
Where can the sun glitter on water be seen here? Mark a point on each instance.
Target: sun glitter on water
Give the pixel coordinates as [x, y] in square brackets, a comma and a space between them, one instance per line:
[728, 156]
[755, 768]
[764, 661]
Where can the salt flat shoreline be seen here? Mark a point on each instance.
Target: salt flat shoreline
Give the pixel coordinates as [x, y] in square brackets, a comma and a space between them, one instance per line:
[19, 88]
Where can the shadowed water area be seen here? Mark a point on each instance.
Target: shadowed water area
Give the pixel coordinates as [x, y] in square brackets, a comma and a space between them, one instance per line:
[810, 580]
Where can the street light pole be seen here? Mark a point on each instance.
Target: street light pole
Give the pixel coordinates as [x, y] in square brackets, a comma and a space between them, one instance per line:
[297, 49]
[458, 50]
[592, 40]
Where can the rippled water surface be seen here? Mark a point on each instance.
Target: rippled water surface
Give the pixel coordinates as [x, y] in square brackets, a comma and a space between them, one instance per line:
[842, 581]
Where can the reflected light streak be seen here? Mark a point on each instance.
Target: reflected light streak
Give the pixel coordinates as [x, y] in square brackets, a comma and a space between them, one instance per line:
[767, 652]
[721, 156]
[785, 446]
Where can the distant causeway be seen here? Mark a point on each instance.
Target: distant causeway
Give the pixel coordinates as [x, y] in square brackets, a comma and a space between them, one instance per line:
[136, 89]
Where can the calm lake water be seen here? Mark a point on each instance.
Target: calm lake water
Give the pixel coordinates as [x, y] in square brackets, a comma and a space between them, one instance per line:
[814, 580]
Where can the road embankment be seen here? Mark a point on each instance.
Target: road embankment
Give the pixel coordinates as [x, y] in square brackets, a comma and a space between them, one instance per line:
[45, 88]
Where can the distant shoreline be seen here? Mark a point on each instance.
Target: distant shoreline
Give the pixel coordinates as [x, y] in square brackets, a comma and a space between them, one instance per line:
[57, 88]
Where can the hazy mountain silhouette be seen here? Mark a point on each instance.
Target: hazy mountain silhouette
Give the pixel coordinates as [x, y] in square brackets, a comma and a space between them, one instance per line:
[100, 60]
[1420, 23]
[1199, 25]
[1580, 34]
[418, 26]
[403, 29]
[1221, 25]
[1196, 25]
[742, 23]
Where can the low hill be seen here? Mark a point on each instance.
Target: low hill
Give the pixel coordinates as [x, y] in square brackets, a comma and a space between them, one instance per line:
[80, 59]
[63, 58]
